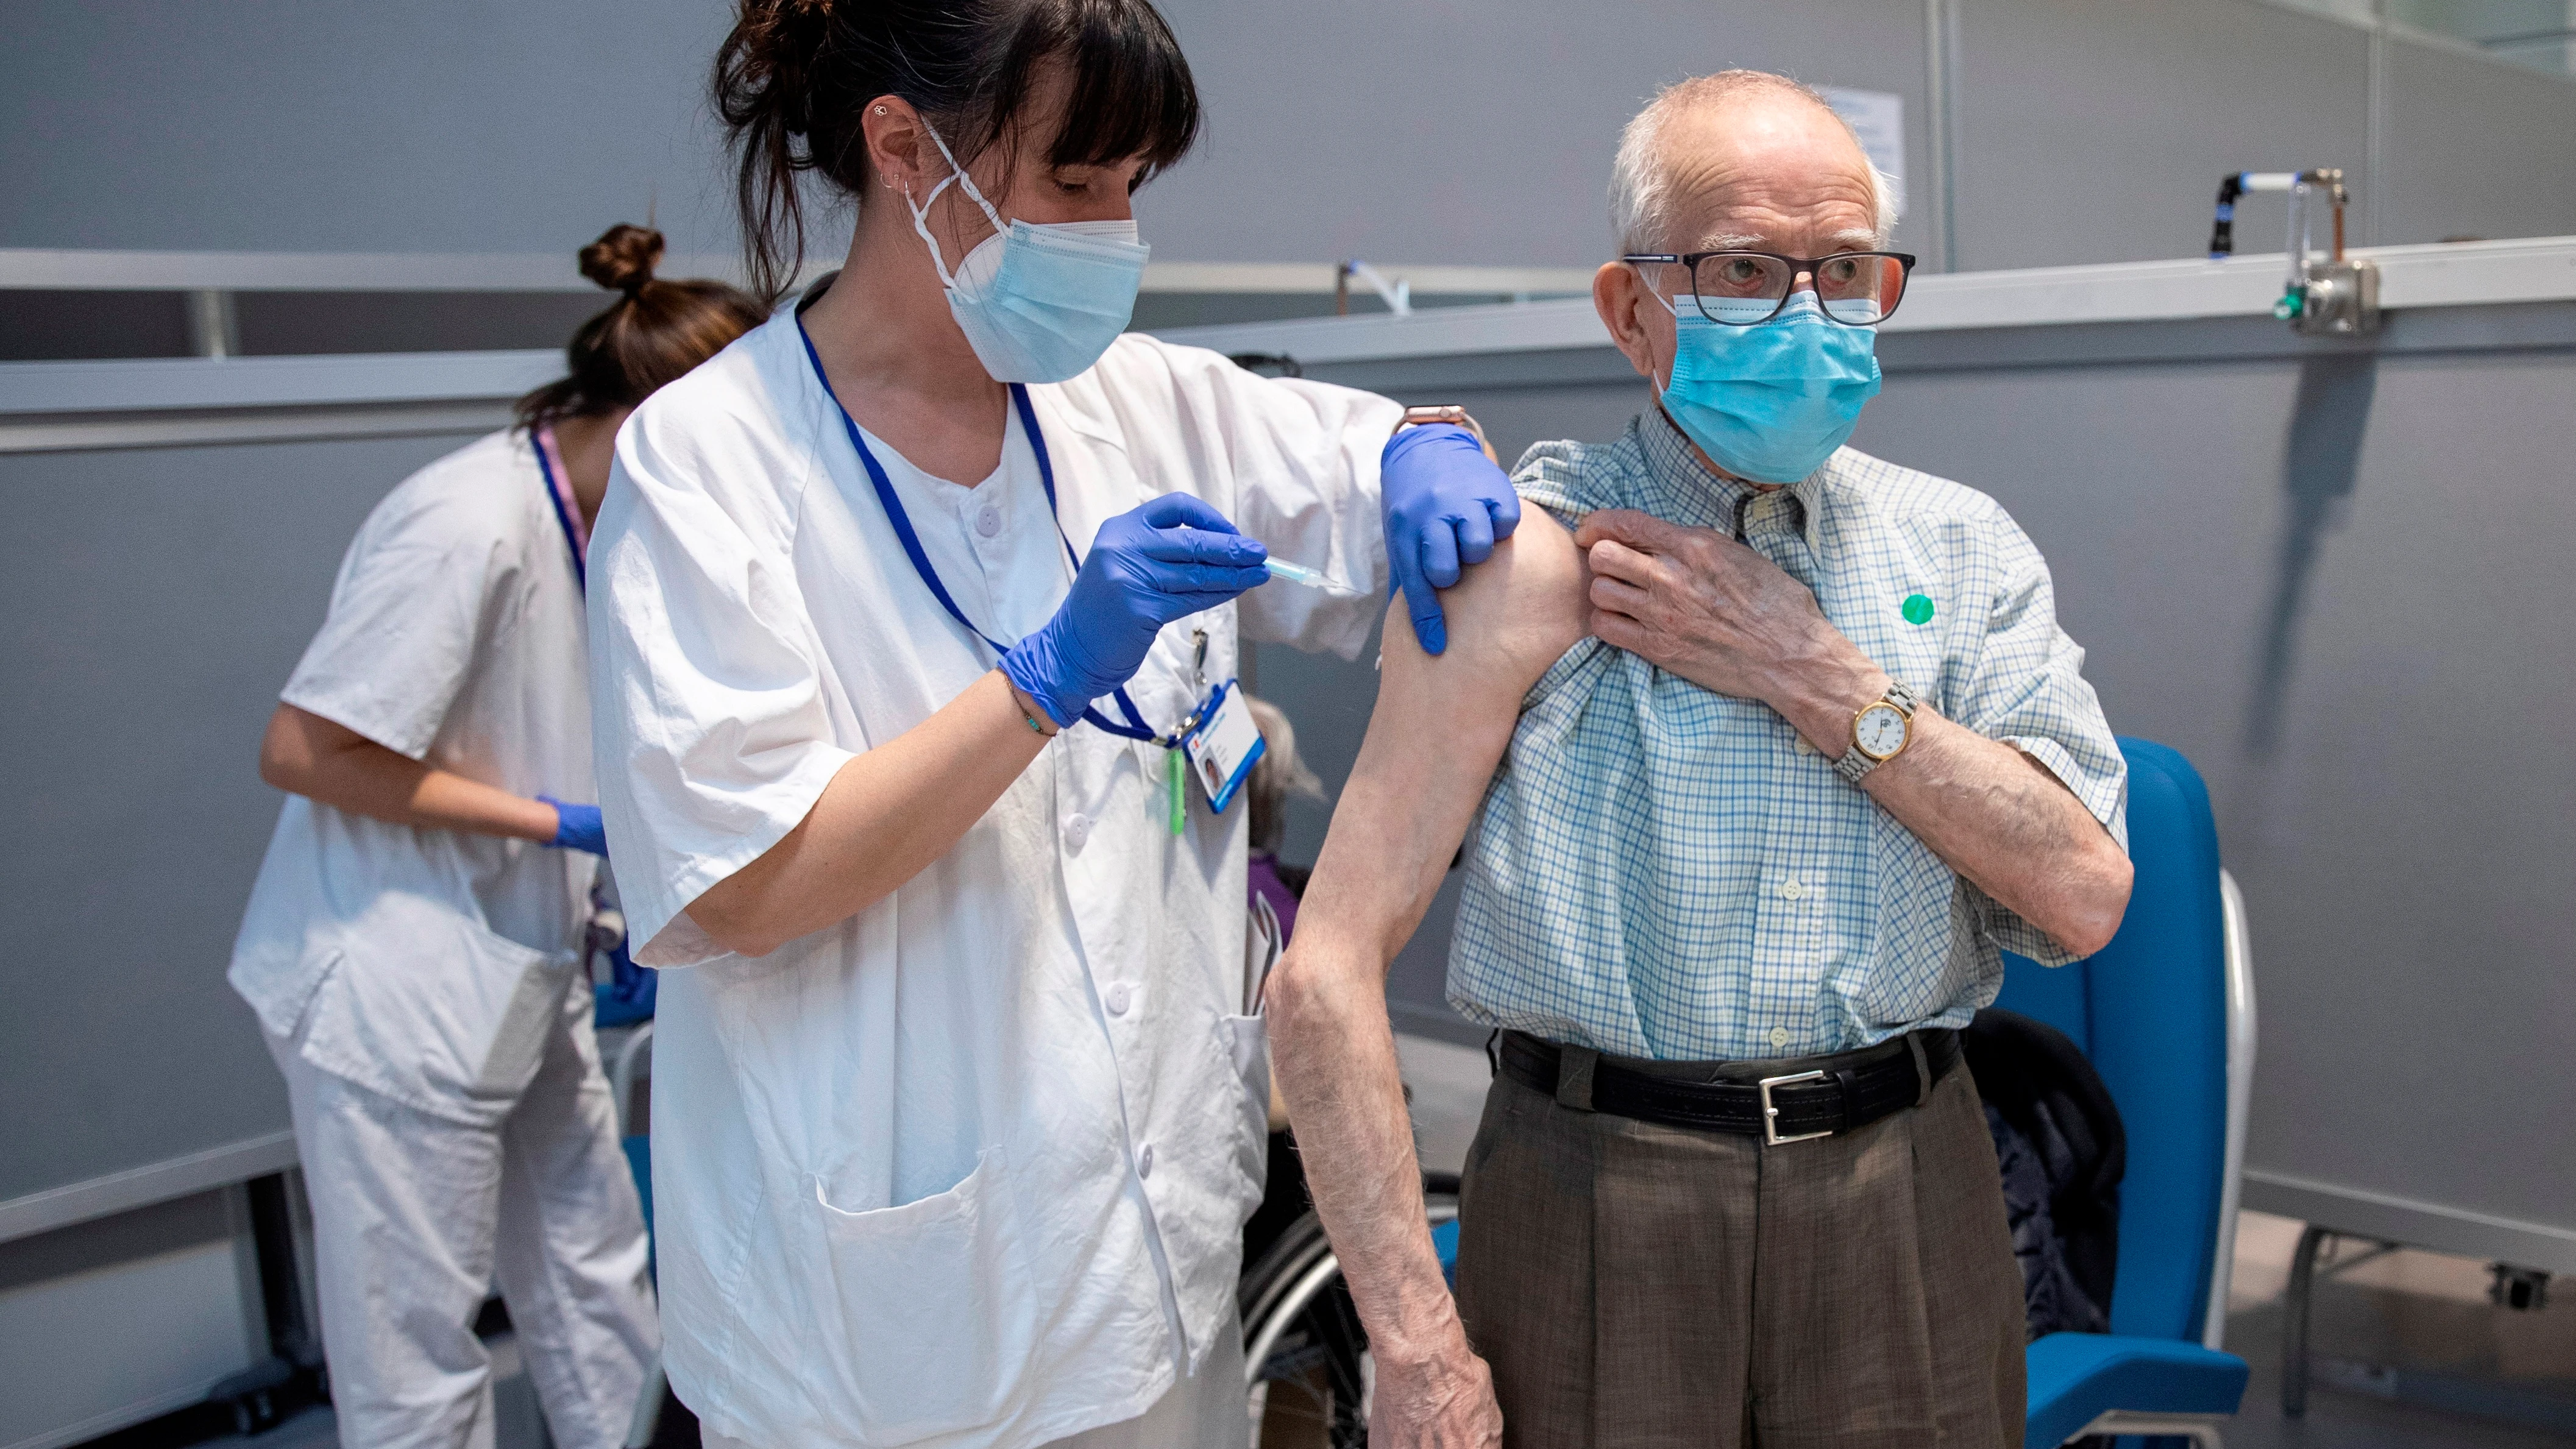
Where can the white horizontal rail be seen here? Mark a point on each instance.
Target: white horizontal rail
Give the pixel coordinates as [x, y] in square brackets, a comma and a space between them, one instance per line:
[27, 269]
[117, 1192]
[2448, 275]
[30, 269]
[177, 384]
[2464, 274]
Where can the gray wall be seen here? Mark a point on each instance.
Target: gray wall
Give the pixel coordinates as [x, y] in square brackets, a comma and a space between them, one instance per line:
[2097, 130]
[154, 603]
[1478, 134]
[2086, 130]
[342, 125]
[2326, 574]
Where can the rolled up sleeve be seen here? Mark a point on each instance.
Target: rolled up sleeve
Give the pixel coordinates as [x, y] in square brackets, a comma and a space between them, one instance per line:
[2028, 690]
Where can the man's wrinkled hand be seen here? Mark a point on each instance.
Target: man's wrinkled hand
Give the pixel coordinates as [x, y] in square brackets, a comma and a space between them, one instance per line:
[1705, 607]
[1443, 1402]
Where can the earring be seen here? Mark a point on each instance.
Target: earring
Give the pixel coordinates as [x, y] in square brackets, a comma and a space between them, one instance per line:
[881, 110]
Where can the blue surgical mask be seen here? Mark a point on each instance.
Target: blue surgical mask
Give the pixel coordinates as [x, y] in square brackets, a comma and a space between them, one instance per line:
[1038, 303]
[1770, 402]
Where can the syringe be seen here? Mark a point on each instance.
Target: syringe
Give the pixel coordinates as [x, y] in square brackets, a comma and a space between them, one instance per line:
[1300, 574]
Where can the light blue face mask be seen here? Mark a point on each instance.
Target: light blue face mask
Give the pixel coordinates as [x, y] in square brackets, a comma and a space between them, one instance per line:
[1038, 303]
[1769, 402]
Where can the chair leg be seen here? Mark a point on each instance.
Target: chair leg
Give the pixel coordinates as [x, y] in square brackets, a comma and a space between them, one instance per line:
[2294, 1321]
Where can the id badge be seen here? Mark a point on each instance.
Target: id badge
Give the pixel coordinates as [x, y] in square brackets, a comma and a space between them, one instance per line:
[1224, 747]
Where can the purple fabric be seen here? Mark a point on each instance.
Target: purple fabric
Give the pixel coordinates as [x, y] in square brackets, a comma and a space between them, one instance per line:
[1265, 881]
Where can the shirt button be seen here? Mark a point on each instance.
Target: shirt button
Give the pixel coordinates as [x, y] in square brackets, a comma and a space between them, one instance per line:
[989, 522]
[1116, 998]
[1145, 1161]
[1803, 747]
[1793, 889]
[1779, 1037]
[1077, 830]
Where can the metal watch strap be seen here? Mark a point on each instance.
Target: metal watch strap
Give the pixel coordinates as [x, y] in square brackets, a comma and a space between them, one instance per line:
[1855, 762]
[1423, 415]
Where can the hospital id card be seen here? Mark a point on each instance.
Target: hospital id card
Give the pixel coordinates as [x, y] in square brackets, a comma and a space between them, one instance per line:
[1224, 747]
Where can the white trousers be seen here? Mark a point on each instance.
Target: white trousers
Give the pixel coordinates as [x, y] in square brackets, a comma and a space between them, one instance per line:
[415, 1216]
[1211, 1409]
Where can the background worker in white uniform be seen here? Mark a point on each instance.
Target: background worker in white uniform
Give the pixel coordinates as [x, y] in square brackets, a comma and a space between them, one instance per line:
[959, 1108]
[413, 943]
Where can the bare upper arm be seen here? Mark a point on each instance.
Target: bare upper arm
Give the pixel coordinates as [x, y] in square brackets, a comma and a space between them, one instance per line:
[1440, 727]
[1509, 619]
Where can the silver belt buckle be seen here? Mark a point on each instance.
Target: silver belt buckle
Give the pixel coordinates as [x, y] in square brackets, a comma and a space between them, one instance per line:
[1771, 1115]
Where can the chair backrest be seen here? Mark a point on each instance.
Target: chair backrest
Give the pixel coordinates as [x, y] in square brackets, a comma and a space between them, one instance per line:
[2151, 1011]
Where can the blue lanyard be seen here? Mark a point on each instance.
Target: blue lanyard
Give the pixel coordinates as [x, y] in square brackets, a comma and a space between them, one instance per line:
[1135, 728]
[555, 496]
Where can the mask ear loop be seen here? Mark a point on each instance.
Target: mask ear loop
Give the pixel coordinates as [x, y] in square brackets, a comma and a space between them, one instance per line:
[1661, 385]
[920, 214]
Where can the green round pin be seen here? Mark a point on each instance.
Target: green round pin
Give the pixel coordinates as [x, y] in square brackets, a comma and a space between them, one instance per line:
[1918, 609]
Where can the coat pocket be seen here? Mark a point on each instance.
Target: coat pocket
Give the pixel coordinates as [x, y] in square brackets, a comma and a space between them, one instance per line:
[1246, 1043]
[455, 1023]
[936, 1311]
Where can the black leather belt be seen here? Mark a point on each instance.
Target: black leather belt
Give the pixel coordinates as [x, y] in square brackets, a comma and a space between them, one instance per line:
[1843, 1094]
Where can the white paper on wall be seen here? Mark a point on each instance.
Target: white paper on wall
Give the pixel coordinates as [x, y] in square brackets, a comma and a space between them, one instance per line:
[1878, 118]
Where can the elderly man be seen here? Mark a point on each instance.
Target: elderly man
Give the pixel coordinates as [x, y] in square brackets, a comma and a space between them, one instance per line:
[1767, 760]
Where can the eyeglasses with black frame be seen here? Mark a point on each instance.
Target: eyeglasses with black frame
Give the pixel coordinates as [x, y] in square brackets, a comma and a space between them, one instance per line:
[1746, 289]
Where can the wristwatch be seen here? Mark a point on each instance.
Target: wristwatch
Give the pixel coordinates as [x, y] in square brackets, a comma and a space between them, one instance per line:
[1880, 731]
[1426, 414]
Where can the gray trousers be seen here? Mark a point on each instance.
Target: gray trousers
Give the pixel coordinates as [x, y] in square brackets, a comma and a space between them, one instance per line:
[1637, 1285]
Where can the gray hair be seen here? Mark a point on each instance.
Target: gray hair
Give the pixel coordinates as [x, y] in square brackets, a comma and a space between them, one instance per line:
[1641, 182]
[1277, 775]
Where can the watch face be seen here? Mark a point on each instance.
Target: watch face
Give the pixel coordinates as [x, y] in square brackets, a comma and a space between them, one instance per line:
[1880, 731]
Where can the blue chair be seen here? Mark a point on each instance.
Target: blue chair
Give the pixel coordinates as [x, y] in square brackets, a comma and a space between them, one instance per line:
[2166, 1012]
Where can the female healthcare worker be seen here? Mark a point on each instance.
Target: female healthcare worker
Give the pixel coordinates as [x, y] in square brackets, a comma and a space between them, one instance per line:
[899, 607]
[412, 944]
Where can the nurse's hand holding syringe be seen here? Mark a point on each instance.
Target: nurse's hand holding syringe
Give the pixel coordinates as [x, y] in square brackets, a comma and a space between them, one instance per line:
[1166, 560]
[891, 810]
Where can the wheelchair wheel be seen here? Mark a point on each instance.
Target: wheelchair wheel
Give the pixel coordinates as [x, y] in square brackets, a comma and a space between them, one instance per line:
[1306, 1362]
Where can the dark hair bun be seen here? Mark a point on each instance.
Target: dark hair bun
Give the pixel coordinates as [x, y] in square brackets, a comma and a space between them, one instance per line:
[622, 259]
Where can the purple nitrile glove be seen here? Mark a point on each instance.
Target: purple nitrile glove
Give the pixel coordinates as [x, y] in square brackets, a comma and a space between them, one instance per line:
[1444, 504]
[1165, 560]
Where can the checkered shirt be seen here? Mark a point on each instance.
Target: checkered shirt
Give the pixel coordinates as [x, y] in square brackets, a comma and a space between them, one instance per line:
[1659, 870]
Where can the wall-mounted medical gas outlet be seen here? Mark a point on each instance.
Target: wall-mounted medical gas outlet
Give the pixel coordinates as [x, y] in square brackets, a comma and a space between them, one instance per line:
[2334, 296]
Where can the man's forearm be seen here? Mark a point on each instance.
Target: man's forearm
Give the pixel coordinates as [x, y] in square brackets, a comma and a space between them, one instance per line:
[1438, 729]
[1401, 817]
[1722, 616]
[1335, 1055]
[1994, 814]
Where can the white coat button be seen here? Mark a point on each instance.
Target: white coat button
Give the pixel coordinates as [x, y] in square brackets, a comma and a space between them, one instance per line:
[1793, 889]
[989, 522]
[1779, 1037]
[1115, 998]
[1077, 830]
[1145, 1161]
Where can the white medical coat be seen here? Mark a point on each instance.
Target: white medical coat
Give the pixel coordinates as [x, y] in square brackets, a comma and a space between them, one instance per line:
[971, 1167]
[425, 964]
